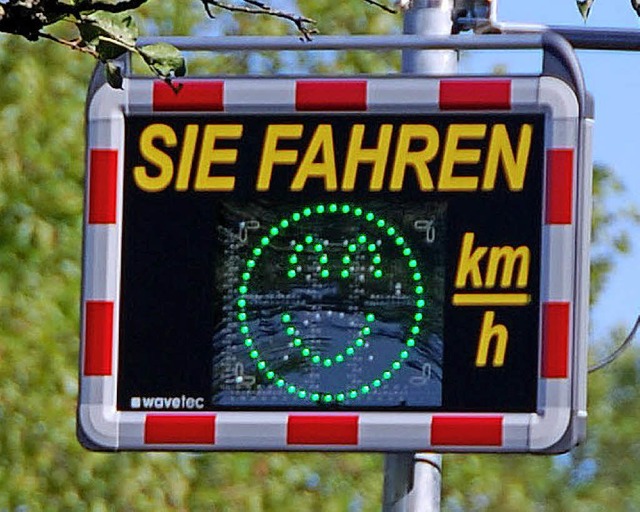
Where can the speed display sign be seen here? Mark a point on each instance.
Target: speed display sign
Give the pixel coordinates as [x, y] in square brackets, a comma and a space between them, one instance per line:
[335, 264]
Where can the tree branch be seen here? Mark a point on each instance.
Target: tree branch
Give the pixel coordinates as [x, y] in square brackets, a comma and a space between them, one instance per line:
[301, 22]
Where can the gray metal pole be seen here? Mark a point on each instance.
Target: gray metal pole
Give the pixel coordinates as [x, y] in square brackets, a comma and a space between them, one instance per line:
[412, 482]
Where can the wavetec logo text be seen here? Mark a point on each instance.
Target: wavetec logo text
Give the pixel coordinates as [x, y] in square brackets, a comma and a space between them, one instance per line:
[167, 402]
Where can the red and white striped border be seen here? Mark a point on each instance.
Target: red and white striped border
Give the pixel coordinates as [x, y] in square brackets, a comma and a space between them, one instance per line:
[367, 431]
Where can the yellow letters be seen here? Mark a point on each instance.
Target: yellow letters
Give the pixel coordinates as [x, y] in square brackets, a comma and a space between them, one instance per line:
[155, 157]
[271, 155]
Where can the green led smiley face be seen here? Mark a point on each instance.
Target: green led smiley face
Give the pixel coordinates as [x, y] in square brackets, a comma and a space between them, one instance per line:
[311, 246]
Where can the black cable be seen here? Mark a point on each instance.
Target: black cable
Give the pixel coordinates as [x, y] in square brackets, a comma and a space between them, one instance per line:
[616, 353]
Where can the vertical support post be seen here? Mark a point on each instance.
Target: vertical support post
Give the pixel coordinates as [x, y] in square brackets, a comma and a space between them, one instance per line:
[429, 18]
[412, 482]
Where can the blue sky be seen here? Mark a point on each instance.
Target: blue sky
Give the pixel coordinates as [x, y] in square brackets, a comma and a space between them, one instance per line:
[613, 78]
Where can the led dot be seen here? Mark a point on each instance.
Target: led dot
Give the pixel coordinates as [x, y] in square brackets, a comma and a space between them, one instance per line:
[291, 330]
[243, 289]
[346, 260]
[417, 317]
[411, 342]
[291, 389]
[320, 208]
[284, 223]
[404, 354]
[419, 289]
[391, 231]
[246, 276]
[357, 212]
[291, 274]
[248, 342]
[377, 273]
[324, 259]
[339, 358]
[308, 239]
[371, 247]
[399, 240]
[306, 212]
[295, 217]
[324, 273]
[366, 330]
[280, 383]
[417, 276]
[359, 343]
[251, 263]
[344, 274]
[350, 351]
[376, 259]
[413, 263]
[370, 317]
[365, 389]
[257, 251]
[254, 354]
[406, 251]
[241, 303]
[244, 329]
[346, 208]
[302, 394]
[396, 365]
[315, 359]
[333, 207]
[327, 398]
[297, 342]
[270, 374]
[315, 397]
[420, 303]
[327, 362]
[415, 330]
[274, 231]
[340, 397]
[352, 248]
[293, 259]
[369, 216]
[318, 247]
[362, 239]
[380, 223]
[376, 383]
[386, 375]
[299, 248]
[242, 317]
[262, 365]
[305, 352]
[353, 394]
[264, 240]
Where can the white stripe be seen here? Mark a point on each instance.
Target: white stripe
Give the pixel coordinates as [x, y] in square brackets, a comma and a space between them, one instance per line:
[262, 95]
[100, 265]
[422, 93]
[395, 431]
[557, 95]
[240, 429]
[140, 95]
[557, 277]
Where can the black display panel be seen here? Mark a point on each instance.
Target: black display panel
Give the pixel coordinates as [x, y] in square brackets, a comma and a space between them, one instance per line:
[331, 262]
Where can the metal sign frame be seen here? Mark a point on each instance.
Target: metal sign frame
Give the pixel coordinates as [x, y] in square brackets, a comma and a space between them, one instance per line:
[559, 421]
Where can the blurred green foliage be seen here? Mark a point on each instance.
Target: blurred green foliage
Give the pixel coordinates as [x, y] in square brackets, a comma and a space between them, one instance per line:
[42, 466]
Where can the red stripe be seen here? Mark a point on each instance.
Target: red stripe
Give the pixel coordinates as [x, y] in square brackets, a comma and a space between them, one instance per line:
[180, 429]
[318, 95]
[466, 431]
[559, 186]
[103, 177]
[195, 95]
[325, 429]
[475, 94]
[555, 340]
[98, 336]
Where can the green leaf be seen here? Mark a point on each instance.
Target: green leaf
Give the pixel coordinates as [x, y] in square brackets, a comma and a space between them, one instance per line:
[164, 59]
[110, 35]
[113, 74]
